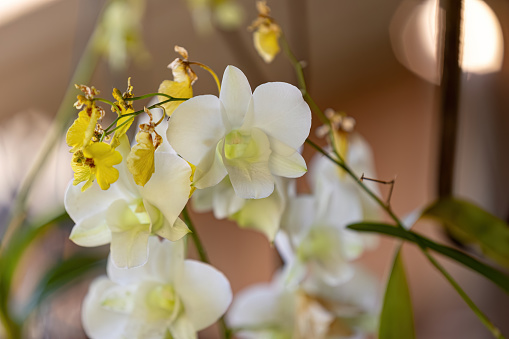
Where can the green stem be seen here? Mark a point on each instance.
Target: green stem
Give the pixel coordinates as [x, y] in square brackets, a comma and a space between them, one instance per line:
[302, 81]
[349, 171]
[482, 317]
[107, 130]
[227, 333]
[196, 239]
[153, 95]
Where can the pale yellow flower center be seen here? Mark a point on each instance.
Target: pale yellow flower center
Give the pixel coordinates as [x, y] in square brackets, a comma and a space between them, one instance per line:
[239, 145]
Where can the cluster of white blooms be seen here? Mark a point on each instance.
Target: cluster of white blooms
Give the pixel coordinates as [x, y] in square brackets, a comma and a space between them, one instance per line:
[239, 151]
[319, 293]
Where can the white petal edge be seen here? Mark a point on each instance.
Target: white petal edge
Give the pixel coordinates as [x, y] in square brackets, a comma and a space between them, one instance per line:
[281, 112]
[92, 231]
[195, 127]
[81, 205]
[205, 293]
[170, 185]
[211, 170]
[255, 307]
[293, 166]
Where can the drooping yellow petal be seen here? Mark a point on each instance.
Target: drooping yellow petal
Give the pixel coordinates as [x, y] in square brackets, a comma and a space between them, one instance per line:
[140, 160]
[177, 90]
[82, 130]
[266, 41]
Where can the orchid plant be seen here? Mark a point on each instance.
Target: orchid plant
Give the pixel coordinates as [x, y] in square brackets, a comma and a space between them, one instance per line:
[238, 155]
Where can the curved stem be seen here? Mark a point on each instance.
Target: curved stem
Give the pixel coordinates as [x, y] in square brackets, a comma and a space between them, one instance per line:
[342, 164]
[196, 239]
[151, 95]
[482, 317]
[227, 333]
[107, 130]
[349, 171]
[208, 69]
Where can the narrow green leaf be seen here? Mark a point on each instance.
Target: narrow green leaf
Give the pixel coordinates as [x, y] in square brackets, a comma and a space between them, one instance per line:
[497, 277]
[396, 320]
[61, 274]
[473, 225]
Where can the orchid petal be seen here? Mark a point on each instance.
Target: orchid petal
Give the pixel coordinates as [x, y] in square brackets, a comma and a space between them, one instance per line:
[129, 237]
[211, 170]
[98, 322]
[203, 199]
[173, 232]
[92, 231]
[129, 249]
[205, 293]
[257, 307]
[182, 328]
[235, 95]
[281, 112]
[168, 189]
[250, 176]
[226, 202]
[263, 215]
[81, 205]
[293, 166]
[299, 217]
[200, 114]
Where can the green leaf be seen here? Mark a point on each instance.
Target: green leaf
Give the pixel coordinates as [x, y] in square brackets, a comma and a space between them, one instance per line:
[396, 320]
[473, 225]
[61, 275]
[22, 237]
[489, 272]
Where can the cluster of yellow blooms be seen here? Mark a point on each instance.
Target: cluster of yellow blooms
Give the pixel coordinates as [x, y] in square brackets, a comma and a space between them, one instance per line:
[93, 158]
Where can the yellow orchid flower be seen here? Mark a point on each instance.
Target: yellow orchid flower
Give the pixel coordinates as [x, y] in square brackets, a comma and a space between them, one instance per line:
[267, 33]
[96, 161]
[181, 85]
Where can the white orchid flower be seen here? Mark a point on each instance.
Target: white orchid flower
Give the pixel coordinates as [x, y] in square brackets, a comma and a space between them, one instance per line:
[263, 215]
[126, 214]
[168, 297]
[315, 241]
[251, 137]
[326, 175]
[264, 311]
[314, 310]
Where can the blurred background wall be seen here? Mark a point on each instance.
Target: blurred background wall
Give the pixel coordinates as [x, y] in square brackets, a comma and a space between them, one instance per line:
[351, 66]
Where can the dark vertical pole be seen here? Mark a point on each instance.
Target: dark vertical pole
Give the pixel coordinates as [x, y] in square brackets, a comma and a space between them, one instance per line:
[449, 43]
